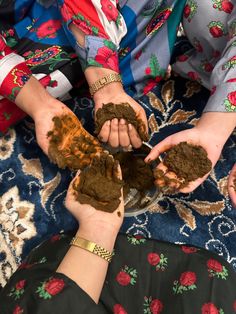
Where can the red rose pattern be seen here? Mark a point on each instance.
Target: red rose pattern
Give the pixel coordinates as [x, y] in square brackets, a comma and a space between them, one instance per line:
[193, 75]
[153, 259]
[48, 29]
[182, 58]
[214, 265]
[118, 309]
[18, 310]
[187, 11]
[107, 58]
[156, 306]
[188, 278]
[123, 278]
[20, 284]
[188, 249]
[232, 98]
[227, 6]
[54, 286]
[109, 10]
[209, 308]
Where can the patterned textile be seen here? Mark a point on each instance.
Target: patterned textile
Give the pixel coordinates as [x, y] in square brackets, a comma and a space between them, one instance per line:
[159, 278]
[32, 189]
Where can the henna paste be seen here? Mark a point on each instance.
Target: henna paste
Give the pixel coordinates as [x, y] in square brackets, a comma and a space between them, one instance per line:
[135, 172]
[166, 184]
[189, 162]
[120, 111]
[70, 145]
[99, 184]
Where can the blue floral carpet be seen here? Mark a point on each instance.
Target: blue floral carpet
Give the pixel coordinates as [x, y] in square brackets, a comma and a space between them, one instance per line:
[32, 189]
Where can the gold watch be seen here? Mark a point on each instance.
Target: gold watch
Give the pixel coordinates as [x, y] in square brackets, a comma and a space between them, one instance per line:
[108, 79]
[92, 247]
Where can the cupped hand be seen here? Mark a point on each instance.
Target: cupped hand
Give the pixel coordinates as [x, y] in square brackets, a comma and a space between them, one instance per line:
[193, 136]
[118, 132]
[88, 216]
[231, 185]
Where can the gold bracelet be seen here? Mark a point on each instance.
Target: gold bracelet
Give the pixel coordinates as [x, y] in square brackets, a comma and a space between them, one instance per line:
[92, 247]
[108, 79]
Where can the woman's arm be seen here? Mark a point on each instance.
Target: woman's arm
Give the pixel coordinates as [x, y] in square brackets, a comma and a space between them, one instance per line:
[95, 29]
[85, 268]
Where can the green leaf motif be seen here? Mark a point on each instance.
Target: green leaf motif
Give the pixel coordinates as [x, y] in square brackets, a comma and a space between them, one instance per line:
[93, 62]
[11, 42]
[109, 44]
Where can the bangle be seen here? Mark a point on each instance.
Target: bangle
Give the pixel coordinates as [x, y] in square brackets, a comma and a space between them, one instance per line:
[108, 79]
[92, 247]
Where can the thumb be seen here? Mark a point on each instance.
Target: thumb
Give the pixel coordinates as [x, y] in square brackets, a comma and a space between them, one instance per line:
[117, 173]
[159, 149]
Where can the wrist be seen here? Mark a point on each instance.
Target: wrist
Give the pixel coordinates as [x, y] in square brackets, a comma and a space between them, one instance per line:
[104, 236]
[217, 126]
[33, 98]
[107, 92]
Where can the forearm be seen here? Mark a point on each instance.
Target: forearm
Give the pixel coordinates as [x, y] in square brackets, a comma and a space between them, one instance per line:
[219, 124]
[33, 98]
[87, 269]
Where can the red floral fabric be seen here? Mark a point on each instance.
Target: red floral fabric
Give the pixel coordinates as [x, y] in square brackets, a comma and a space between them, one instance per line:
[188, 283]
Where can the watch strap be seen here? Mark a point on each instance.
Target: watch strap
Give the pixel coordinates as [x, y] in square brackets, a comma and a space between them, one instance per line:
[108, 79]
[92, 247]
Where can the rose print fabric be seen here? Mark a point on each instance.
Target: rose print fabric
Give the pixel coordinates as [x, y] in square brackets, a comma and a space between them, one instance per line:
[145, 276]
[134, 38]
[211, 28]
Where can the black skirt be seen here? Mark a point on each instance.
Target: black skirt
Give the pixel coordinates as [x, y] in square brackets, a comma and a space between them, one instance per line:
[145, 276]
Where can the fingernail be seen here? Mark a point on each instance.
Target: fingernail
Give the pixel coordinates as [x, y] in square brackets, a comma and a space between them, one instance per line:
[122, 121]
[130, 127]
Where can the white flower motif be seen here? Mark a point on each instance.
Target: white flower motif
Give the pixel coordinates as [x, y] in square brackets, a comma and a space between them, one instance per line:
[7, 144]
[16, 220]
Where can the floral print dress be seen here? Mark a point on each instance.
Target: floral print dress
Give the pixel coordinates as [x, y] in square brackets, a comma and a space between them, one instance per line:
[145, 276]
[135, 38]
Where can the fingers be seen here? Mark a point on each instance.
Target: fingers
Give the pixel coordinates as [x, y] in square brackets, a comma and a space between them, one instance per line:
[70, 197]
[117, 174]
[114, 133]
[231, 185]
[135, 140]
[109, 166]
[143, 117]
[159, 149]
[105, 132]
[124, 139]
[166, 180]
[118, 133]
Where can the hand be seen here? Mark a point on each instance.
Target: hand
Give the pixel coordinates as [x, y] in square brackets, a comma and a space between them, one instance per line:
[119, 133]
[195, 136]
[63, 138]
[88, 216]
[232, 185]
[44, 123]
